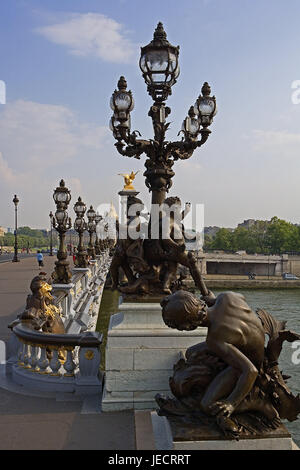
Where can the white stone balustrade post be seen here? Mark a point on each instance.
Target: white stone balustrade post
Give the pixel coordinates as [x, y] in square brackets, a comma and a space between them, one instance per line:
[54, 364]
[43, 362]
[69, 365]
[34, 356]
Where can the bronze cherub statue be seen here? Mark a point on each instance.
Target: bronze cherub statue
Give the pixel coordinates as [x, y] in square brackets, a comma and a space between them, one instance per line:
[232, 378]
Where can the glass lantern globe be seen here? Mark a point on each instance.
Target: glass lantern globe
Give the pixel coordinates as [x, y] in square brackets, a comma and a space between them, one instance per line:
[79, 224]
[191, 125]
[122, 101]
[62, 195]
[15, 200]
[91, 226]
[91, 214]
[61, 216]
[80, 208]
[159, 65]
[98, 218]
[206, 106]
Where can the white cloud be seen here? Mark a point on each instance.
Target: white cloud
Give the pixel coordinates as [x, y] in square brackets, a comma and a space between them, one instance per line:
[277, 142]
[91, 34]
[39, 144]
[40, 136]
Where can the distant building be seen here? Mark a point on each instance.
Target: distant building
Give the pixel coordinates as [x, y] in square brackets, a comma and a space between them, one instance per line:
[247, 223]
[2, 231]
[212, 231]
[9, 230]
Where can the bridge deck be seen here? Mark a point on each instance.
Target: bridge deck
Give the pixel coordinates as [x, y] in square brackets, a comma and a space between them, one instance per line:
[29, 422]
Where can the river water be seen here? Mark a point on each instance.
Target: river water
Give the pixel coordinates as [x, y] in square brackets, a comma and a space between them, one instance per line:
[283, 304]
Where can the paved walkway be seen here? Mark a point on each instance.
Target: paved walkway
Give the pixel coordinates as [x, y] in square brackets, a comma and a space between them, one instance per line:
[28, 422]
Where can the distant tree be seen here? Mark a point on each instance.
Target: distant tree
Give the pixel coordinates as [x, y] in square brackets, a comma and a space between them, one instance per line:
[282, 236]
[275, 236]
[223, 240]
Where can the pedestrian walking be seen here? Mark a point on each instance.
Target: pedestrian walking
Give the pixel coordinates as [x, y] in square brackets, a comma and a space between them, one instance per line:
[40, 258]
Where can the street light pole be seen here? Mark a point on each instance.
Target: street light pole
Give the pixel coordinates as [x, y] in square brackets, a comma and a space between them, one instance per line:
[160, 70]
[51, 240]
[15, 258]
[80, 226]
[91, 227]
[62, 223]
[98, 219]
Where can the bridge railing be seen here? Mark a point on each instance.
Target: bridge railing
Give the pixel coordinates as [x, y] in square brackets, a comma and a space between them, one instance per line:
[57, 363]
[67, 362]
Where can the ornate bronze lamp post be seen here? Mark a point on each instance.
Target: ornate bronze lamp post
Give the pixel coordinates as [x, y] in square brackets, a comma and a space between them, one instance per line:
[80, 226]
[160, 69]
[51, 239]
[98, 219]
[91, 214]
[62, 223]
[16, 202]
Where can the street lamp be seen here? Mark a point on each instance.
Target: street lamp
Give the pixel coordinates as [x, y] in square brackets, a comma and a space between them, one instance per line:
[160, 69]
[51, 240]
[91, 227]
[80, 226]
[62, 223]
[15, 258]
[98, 219]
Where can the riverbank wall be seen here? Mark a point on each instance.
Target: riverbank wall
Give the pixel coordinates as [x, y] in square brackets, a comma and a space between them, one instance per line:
[233, 284]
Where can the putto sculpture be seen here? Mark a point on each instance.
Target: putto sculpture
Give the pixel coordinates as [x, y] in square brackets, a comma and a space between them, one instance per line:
[232, 379]
[40, 312]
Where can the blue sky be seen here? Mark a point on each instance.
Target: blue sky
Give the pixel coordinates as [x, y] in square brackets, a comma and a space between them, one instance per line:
[61, 60]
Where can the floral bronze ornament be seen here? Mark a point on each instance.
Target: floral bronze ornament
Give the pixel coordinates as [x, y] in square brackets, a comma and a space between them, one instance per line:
[91, 227]
[62, 223]
[80, 226]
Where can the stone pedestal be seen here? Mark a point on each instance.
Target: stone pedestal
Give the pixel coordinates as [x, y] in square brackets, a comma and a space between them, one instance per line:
[140, 354]
[174, 434]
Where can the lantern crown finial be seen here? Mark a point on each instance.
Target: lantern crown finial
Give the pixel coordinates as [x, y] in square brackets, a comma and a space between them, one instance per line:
[159, 33]
[205, 90]
[122, 84]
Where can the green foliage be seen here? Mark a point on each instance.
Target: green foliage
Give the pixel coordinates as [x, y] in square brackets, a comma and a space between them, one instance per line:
[28, 237]
[275, 237]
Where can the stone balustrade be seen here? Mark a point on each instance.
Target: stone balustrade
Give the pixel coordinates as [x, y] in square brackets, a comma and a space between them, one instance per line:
[57, 363]
[69, 362]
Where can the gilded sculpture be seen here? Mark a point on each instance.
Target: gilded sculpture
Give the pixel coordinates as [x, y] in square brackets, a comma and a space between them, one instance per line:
[128, 180]
[40, 312]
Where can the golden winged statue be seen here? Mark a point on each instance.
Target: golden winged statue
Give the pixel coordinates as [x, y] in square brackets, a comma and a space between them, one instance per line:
[128, 179]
